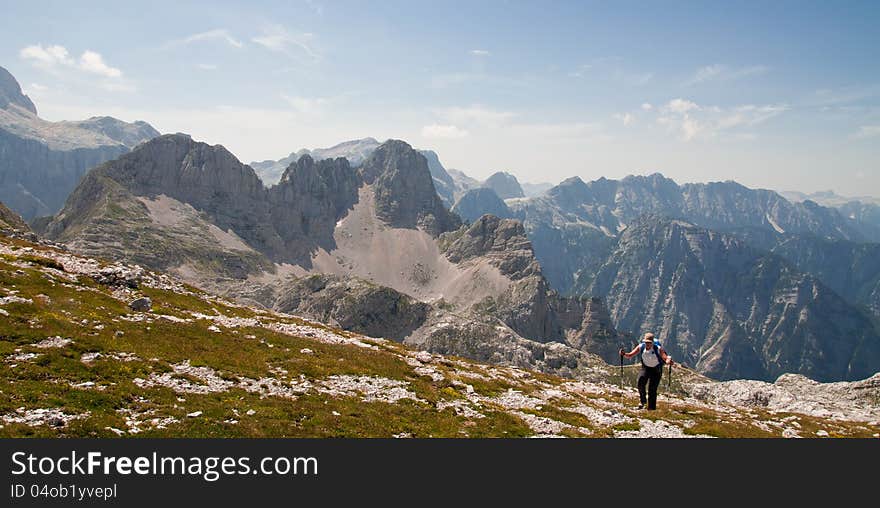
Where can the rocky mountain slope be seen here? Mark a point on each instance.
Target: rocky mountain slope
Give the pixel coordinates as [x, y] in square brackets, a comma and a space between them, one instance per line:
[41, 162]
[730, 310]
[582, 222]
[505, 185]
[11, 221]
[373, 249]
[532, 190]
[711, 286]
[356, 151]
[96, 349]
[576, 225]
[828, 198]
[477, 202]
[851, 269]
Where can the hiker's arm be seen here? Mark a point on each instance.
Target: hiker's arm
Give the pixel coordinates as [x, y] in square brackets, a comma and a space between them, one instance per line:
[631, 353]
[666, 358]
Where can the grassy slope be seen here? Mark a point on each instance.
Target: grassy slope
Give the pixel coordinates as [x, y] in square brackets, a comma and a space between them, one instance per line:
[252, 356]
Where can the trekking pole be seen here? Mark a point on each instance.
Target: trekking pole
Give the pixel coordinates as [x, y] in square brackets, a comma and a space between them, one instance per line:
[669, 381]
[621, 371]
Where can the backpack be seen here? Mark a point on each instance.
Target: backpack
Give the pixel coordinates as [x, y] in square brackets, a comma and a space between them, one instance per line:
[657, 348]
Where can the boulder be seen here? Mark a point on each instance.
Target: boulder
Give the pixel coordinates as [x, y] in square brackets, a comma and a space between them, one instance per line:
[143, 304]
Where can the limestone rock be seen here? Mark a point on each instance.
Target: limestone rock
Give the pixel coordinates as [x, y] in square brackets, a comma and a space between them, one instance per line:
[477, 202]
[404, 189]
[143, 304]
[505, 185]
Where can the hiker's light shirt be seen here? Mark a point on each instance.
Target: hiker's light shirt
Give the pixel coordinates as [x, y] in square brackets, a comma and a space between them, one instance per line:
[649, 357]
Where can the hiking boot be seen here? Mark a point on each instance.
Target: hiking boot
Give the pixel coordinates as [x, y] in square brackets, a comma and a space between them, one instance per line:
[640, 406]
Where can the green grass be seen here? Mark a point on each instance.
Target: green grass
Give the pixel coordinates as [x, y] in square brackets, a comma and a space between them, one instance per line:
[88, 313]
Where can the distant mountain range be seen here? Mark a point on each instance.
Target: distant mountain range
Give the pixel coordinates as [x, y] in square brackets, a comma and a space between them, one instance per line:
[864, 210]
[450, 184]
[614, 240]
[828, 198]
[43, 161]
[382, 239]
[372, 249]
[639, 254]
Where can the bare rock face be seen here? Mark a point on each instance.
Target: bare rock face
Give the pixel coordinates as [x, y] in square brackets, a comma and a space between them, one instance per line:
[730, 310]
[308, 201]
[505, 185]
[528, 306]
[41, 162]
[443, 182]
[855, 400]
[10, 93]
[591, 327]
[485, 341]
[477, 202]
[355, 151]
[142, 304]
[353, 304]
[404, 189]
[502, 241]
[10, 220]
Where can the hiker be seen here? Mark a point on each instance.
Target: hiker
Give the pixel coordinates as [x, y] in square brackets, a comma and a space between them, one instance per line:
[653, 358]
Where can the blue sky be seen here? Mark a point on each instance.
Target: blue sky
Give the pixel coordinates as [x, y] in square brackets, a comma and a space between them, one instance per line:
[782, 95]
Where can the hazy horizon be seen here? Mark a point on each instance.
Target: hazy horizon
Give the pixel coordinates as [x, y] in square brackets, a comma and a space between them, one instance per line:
[783, 96]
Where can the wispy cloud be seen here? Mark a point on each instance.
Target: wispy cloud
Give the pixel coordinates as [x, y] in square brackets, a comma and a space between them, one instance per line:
[277, 38]
[439, 131]
[721, 72]
[218, 34]
[57, 57]
[207, 67]
[480, 52]
[647, 106]
[868, 131]
[693, 121]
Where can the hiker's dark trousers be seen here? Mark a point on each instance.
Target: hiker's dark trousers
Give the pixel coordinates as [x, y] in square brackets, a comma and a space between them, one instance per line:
[650, 376]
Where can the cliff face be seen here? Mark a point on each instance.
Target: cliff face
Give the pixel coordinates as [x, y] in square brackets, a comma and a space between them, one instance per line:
[36, 180]
[10, 220]
[308, 201]
[505, 185]
[41, 162]
[404, 189]
[390, 260]
[476, 202]
[575, 225]
[730, 310]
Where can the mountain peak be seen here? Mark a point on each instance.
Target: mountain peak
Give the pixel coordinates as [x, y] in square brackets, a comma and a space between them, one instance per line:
[482, 200]
[10, 93]
[404, 189]
[573, 181]
[505, 185]
[393, 154]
